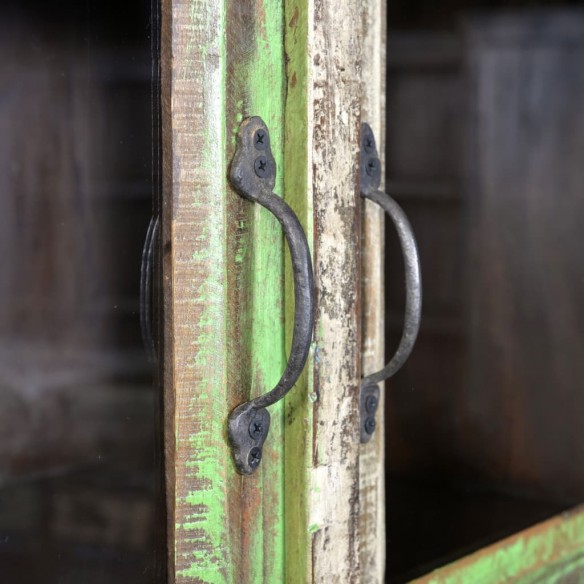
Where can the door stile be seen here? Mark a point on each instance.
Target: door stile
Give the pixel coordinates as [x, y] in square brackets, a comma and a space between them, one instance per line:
[371, 457]
[323, 44]
[194, 291]
[222, 61]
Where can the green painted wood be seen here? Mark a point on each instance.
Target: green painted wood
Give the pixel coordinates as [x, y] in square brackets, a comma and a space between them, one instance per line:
[299, 416]
[255, 87]
[229, 289]
[222, 60]
[194, 267]
[551, 553]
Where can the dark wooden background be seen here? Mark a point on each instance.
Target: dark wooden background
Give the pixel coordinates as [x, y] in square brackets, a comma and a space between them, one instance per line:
[484, 139]
[78, 464]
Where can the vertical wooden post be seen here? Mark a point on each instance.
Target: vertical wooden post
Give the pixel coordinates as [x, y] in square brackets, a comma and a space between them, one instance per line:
[222, 61]
[195, 291]
[323, 45]
[371, 457]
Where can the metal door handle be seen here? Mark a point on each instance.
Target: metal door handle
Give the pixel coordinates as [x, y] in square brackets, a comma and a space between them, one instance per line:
[370, 181]
[253, 175]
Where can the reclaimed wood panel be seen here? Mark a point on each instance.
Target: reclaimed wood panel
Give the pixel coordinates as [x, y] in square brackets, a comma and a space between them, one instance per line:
[322, 129]
[371, 455]
[228, 290]
[223, 289]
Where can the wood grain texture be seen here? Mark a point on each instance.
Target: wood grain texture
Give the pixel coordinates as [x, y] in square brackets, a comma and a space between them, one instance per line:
[524, 396]
[299, 410]
[193, 235]
[224, 305]
[550, 552]
[371, 455]
[322, 124]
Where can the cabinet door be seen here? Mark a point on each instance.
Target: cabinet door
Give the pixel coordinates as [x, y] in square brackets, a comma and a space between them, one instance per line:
[312, 512]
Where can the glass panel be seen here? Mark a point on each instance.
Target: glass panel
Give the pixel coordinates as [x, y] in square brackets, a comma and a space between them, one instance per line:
[484, 433]
[80, 473]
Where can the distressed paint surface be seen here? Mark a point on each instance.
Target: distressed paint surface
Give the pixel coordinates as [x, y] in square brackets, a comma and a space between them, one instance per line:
[195, 291]
[255, 86]
[336, 86]
[551, 553]
[322, 431]
[371, 457]
[223, 279]
[228, 312]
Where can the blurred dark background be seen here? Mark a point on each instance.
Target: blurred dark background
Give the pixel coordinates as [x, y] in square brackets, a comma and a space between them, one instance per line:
[485, 135]
[485, 138]
[79, 471]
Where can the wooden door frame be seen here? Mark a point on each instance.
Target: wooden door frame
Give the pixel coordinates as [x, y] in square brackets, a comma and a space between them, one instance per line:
[313, 89]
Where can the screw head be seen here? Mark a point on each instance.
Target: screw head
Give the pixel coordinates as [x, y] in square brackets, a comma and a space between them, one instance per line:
[261, 140]
[368, 143]
[256, 430]
[371, 404]
[261, 166]
[255, 457]
[372, 167]
[369, 425]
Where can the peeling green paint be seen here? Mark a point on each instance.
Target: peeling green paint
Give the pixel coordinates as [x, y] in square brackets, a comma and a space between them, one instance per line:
[236, 530]
[202, 548]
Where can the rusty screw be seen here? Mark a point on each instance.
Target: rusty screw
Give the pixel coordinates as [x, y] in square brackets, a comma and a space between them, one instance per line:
[255, 457]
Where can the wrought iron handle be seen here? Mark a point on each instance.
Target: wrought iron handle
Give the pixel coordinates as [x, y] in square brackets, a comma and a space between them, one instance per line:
[253, 175]
[370, 181]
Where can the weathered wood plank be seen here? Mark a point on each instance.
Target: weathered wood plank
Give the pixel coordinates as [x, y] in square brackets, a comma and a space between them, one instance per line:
[322, 125]
[299, 418]
[193, 235]
[255, 86]
[224, 295]
[371, 456]
[550, 552]
[223, 272]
